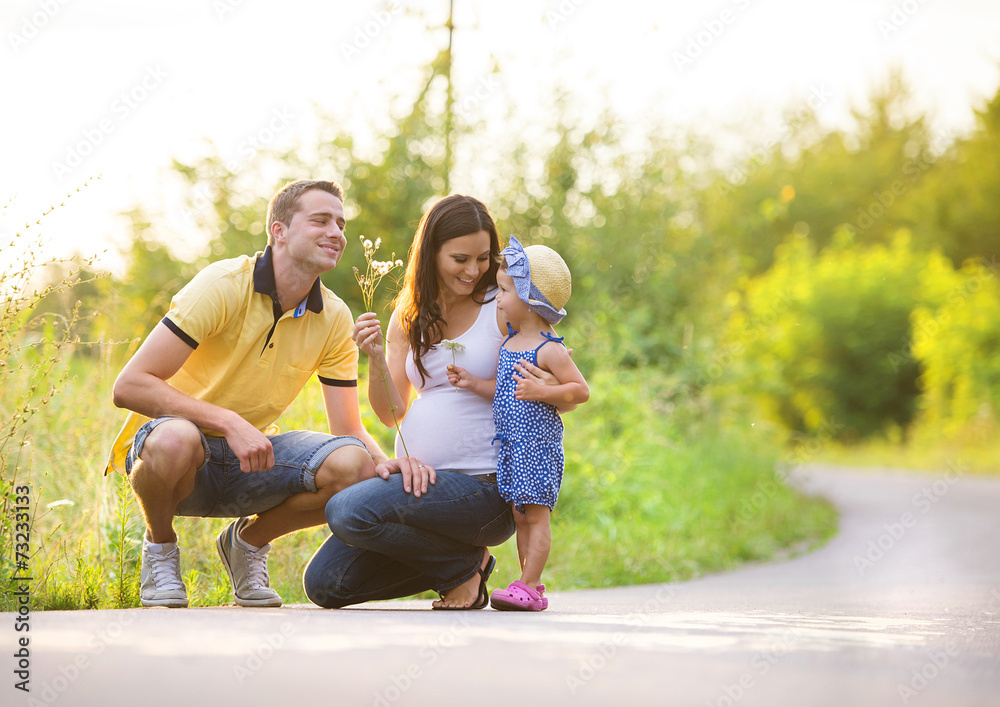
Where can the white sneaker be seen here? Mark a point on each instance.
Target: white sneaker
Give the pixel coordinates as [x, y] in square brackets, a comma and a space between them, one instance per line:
[160, 577]
[247, 569]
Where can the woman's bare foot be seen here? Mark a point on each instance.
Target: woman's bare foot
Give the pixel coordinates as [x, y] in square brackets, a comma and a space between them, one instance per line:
[464, 595]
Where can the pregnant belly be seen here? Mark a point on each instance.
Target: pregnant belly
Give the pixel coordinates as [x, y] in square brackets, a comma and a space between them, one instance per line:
[450, 429]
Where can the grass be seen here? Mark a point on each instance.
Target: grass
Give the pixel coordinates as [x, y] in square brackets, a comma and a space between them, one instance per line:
[641, 502]
[973, 449]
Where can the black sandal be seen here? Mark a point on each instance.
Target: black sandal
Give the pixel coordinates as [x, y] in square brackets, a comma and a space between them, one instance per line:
[484, 595]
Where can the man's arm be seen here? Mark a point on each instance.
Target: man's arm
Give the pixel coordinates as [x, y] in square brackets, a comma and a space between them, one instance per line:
[142, 386]
[343, 415]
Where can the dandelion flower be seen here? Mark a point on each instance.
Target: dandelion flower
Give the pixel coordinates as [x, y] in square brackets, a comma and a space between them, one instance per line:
[455, 347]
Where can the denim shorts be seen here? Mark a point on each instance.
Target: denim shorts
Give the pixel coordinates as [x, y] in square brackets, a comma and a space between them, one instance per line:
[221, 490]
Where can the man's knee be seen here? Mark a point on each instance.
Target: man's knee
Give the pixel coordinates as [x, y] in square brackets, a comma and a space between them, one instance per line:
[173, 449]
[344, 467]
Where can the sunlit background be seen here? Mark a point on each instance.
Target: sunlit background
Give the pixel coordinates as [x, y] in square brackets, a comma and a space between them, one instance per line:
[117, 88]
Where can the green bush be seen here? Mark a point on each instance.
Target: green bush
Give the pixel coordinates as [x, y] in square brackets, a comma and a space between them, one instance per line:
[956, 345]
[823, 340]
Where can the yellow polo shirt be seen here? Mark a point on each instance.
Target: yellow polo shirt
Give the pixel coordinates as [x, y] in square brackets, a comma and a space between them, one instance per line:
[249, 356]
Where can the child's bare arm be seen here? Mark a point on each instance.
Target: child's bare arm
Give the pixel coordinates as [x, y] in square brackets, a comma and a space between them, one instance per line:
[461, 378]
[572, 389]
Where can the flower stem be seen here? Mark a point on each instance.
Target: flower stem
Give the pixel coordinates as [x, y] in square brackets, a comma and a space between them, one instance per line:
[392, 408]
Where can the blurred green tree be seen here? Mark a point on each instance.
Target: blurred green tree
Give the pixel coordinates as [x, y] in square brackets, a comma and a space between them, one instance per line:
[958, 205]
[672, 257]
[385, 194]
[643, 272]
[811, 182]
[824, 340]
[956, 345]
[134, 303]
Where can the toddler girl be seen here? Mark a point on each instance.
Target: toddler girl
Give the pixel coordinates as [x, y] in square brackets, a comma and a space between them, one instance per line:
[534, 286]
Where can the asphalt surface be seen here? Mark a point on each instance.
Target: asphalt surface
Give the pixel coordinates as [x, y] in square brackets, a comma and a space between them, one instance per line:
[902, 607]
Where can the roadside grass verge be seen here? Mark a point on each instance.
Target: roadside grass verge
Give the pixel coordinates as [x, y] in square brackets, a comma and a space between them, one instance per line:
[972, 450]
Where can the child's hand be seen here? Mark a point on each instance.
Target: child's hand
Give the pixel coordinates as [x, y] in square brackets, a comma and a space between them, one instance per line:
[459, 377]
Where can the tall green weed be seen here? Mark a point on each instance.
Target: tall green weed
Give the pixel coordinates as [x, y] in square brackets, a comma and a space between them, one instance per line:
[40, 346]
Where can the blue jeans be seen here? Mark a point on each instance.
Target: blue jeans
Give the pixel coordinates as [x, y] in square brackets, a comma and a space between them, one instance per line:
[221, 490]
[386, 543]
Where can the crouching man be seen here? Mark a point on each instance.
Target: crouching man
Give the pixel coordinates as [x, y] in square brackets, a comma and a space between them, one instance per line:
[236, 347]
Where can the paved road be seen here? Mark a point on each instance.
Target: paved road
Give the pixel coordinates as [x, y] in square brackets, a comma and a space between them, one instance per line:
[901, 608]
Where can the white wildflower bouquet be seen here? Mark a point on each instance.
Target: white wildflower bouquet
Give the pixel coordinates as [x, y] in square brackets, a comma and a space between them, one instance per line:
[369, 284]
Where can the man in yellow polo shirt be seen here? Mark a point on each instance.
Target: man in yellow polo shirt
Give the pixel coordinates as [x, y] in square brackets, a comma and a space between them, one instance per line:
[236, 347]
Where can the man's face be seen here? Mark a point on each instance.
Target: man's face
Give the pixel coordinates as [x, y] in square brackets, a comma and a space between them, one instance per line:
[315, 237]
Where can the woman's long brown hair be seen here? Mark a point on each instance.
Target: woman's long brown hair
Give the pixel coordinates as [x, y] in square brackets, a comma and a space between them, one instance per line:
[417, 303]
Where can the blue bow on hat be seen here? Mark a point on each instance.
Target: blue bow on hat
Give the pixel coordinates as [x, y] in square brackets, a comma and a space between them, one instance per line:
[519, 270]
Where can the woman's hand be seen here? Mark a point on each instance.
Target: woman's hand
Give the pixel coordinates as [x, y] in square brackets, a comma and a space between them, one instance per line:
[531, 380]
[528, 389]
[528, 371]
[367, 334]
[531, 384]
[416, 475]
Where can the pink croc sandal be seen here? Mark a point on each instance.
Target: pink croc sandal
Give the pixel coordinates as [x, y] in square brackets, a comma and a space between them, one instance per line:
[519, 597]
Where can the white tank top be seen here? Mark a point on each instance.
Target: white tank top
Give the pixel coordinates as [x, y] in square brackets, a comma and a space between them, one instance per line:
[449, 428]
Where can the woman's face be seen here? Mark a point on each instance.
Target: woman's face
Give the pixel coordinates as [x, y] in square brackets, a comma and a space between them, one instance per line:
[461, 262]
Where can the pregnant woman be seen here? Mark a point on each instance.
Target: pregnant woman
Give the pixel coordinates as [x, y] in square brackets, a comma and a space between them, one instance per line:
[428, 519]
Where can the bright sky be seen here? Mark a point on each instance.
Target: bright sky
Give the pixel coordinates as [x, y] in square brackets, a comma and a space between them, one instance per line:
[118, 87]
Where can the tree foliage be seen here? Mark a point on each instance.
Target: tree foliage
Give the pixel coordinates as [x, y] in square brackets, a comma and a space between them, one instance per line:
[956, 344]
[825, 338]
[795, 276]
[958, 206]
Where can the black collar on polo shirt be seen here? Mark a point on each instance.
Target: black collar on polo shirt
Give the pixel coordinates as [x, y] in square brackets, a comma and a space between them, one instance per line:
[263, 282]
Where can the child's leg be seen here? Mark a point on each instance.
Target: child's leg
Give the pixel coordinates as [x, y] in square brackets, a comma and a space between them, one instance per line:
[522, 536]
[534, 539]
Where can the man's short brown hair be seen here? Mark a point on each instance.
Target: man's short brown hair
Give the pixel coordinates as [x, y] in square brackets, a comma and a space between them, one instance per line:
[285, 203]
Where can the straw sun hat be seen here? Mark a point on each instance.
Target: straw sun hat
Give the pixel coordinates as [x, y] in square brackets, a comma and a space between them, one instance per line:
[541, 278]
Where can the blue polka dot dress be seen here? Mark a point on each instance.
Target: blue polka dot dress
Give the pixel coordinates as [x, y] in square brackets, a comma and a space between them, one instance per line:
[530, 464]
